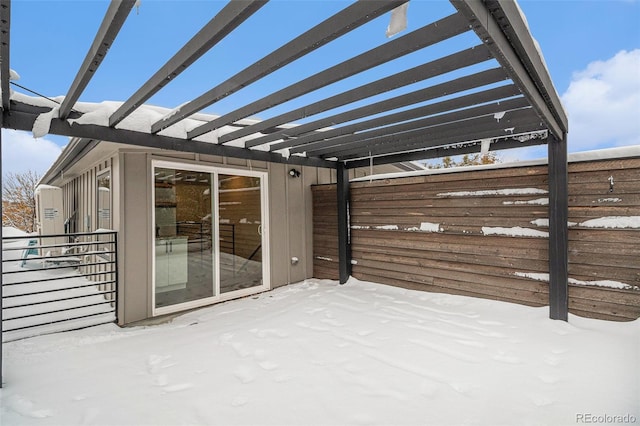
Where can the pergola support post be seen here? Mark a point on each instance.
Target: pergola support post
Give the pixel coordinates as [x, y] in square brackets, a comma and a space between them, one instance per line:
[344, 247]
[558, 232]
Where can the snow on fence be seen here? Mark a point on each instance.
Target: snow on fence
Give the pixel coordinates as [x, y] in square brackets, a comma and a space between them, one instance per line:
[484, 233]
[51, 287]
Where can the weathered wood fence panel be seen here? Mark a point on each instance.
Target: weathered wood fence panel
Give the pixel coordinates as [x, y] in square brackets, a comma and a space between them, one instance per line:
[484, 233]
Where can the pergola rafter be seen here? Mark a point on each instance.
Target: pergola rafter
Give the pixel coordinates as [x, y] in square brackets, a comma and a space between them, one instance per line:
[423, 72]
[426, 36]
[339, 24]
[229, 18]
[113, 21]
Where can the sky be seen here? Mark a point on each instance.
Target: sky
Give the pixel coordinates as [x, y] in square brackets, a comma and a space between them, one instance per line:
[592, 50]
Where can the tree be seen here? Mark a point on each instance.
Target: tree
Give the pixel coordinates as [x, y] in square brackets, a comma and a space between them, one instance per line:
[466, 160]
[19, 200]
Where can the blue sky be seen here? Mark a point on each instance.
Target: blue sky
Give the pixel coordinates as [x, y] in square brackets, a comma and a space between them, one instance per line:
[592, 49]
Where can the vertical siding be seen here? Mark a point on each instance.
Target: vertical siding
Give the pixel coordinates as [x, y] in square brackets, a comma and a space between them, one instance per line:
[484, 234]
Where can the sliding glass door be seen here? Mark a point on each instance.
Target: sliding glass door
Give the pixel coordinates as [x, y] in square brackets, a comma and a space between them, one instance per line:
[209, 237]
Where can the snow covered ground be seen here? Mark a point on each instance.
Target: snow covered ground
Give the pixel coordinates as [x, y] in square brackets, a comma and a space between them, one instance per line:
[320, 353]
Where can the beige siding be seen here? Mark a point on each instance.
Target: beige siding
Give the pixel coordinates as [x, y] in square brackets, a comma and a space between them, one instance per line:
[134, 235]
[462, 255]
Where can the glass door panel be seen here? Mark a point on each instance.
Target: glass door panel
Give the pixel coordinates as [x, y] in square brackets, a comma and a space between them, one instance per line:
[184, 258]
[240, 232]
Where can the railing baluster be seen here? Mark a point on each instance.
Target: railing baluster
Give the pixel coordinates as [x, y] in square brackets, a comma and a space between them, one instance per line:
[91, 263]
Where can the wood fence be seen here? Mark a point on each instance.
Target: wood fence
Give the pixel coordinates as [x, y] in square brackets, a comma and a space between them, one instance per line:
[484, 233]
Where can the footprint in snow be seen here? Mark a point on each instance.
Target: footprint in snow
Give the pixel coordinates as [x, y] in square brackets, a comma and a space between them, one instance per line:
[178, 387]
[244, 374]
[155, 363]
[161, 380]
[506, 358]
[541, 400]
[552, 360]
[269, 332]
[548, 379]
[240, 400]
[25, 407]
[332, 322]
[268, 365]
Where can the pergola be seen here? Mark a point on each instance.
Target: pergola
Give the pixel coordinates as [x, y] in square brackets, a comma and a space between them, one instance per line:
[494, 94]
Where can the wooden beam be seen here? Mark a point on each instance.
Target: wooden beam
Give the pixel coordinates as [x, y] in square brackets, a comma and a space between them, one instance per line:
[22, 117]
[490, 31]
[442, 151]
[558, 233]
[228, 19]
[423, 117]
[428, 35]
[404, 78]
[111, 24]
[344, 250]
[337, 25]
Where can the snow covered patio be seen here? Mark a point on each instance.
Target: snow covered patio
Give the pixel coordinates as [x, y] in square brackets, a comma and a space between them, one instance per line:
[320, 353]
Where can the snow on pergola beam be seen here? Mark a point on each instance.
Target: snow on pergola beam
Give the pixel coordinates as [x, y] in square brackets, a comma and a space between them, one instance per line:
[228, 19]
[23, 117]
[111, 24]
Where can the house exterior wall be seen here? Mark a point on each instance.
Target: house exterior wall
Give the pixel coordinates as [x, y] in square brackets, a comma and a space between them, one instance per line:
[290, 216]
[484, 234]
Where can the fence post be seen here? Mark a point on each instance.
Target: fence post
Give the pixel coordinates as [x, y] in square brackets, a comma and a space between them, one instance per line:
[344, 252]
[558, 233]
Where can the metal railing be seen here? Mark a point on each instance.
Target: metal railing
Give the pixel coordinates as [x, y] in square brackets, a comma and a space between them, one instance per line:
[60, 282]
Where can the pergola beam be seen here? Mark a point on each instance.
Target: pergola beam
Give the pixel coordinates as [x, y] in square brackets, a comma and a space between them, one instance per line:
[413, 75]
[439, 152]
[429, 128]
[473, 81]
[431, 135]
[111, 24]
[428, 35]
[339, 24]
[440, 66]
[22, 117]
[5, 38]
[490, 31]
[531, 56]
[426, 116]
[228, 19]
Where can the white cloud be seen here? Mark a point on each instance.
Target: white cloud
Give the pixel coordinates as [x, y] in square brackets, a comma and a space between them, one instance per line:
[603, 103]
[22, 152]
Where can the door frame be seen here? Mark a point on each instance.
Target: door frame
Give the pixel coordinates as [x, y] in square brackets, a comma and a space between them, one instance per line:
[264, 211]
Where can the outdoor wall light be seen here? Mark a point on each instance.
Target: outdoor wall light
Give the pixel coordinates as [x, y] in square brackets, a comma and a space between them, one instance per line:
[294, 173]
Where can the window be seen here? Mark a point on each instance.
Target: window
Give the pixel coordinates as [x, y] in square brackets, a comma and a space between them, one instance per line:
[103, 196]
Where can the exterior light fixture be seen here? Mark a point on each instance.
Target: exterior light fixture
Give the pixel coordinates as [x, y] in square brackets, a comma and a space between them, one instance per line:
[294, 173]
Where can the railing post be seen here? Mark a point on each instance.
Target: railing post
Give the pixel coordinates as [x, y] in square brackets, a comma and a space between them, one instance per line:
[558, 232]
[344, 249]
[117, 281]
